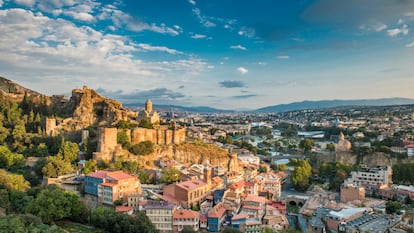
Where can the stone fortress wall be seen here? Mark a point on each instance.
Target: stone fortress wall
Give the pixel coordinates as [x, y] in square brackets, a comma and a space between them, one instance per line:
[108, 149]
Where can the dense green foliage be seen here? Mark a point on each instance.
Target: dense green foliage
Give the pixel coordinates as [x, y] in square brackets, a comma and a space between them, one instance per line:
[393, 207]
[56, 166]
[142, 148]
[26, 223]
[301, 174]
[336, 173]
[123, 139]
[306, 145]
[11, 181]
[403, 173]
[113, 222]
[56, 204]
[145, 124]
[170, 175]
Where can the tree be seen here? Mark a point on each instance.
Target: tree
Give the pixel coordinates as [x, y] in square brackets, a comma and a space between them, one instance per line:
[330, 147]
[90, 166]
[142, 148]
[56, 204]
[123, 139]
[68, 151]
[13, 181]
[42, 150]
[56, 166]
[19, 201]
[262, 169]
[9, 159]
[230, 230]
[145, 124]
[122, 124]
[301, 174]
[306, 145]
[12, 223]
[188, 229]
[392, 207]
[170, 175]
[113, 222]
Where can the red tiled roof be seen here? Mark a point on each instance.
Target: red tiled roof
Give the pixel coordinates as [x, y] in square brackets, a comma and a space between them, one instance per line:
[170, 199]
[240, 216]
[98, 174]
[119, 175]
[250, 207]
[203, 218]
[123, 208]
[217, 214]
[185, 214]
[109, 184]
[254, 198]
[191, 184]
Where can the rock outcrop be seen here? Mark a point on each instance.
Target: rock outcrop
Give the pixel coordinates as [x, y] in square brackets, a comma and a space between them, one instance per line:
[90, 108]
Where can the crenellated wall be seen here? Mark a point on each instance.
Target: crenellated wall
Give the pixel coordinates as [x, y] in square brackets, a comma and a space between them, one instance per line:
[158, 136]
[108, 148]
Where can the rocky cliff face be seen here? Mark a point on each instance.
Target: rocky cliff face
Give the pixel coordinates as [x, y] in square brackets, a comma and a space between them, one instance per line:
[90, 108]
[189, 153]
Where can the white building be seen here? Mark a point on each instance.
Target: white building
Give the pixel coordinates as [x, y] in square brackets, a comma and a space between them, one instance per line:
[380, 176]
[410, 150]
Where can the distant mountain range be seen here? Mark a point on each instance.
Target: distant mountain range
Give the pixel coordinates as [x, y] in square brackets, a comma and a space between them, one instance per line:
[12, 90]
[319, 104]
[201, 109]
[307, 104]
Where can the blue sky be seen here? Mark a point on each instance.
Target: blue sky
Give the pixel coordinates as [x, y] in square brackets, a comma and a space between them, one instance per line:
[225, 54]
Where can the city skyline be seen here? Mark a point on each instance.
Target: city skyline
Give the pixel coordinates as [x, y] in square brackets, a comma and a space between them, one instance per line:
[222, 54]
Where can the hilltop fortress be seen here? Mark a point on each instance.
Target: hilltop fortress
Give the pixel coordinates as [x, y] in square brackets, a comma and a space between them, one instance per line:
[109, 150]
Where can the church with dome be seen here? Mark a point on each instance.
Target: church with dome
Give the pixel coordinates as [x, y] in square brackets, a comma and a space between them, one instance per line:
[343, 144]
[149, 114]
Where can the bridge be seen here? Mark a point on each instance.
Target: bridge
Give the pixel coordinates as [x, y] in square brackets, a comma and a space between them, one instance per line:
[272, 158]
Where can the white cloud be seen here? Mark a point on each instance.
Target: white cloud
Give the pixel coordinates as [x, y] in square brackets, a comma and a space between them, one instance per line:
[283, 57]
[53, 52]
[396, 31]
[28, 3]
[192, 2]
[247, 31]
[121, 19]
[203, 19]
[410, 45]
[159, 48]
[82, 16]
[198, 36]
[376, 27]
[400, 21]
[240, 47]
[242, 70]
[178, 28]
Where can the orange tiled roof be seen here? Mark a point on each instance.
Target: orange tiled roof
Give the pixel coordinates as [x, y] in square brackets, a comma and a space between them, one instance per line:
[119, 175]
[185, 214]
[240, 216]
[123, 208]
[254, 198]
[98, 174]
[191, 184]
[217, 214]
[250, 207]
[170, 199]
[109, 184]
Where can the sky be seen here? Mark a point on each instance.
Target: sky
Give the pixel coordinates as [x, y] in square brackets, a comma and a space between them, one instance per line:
[225, 54]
